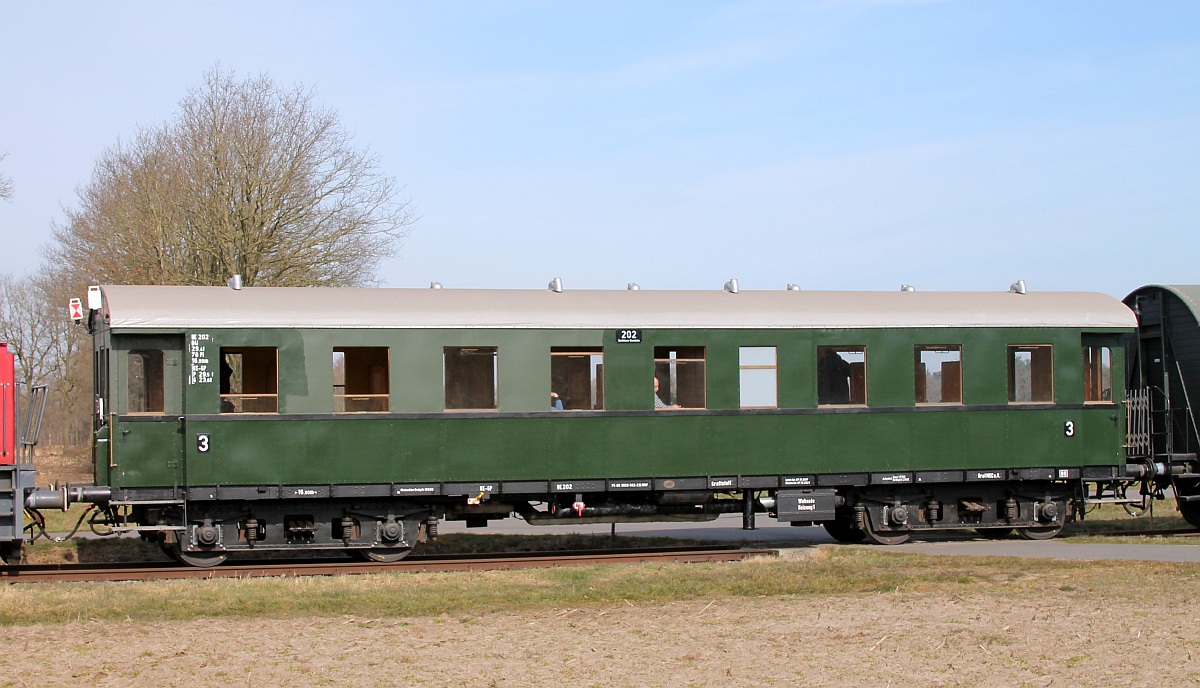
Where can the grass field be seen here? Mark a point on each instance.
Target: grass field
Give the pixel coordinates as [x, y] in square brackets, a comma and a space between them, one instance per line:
[827, 570]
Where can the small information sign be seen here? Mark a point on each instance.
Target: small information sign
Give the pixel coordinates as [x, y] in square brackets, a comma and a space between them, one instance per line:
[629, 336]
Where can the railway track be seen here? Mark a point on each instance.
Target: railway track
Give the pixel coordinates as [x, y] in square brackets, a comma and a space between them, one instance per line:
[143, 571]
[1179, 532]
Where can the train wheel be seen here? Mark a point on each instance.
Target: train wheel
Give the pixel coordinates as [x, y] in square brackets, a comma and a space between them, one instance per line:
[843, 531]
[1040, 533]
[883, 537]
[998, 533]
[384, 555]
[1190, 512]
[10, 553]
[198, 559]
[1053, 512]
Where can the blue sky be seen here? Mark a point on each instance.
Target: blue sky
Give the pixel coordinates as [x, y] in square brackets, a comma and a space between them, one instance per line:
[838, 145]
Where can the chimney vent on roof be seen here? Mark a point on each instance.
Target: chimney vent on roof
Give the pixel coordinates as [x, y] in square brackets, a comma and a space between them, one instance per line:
[1018, 287]
[731, 286]
[907, 287]
[235, 282]
[435, 285]
[633, 286]
[793, 287]
[555, 285]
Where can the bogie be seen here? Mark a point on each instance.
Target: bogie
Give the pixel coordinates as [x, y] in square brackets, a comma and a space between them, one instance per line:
[211, 531]
[1034, 510]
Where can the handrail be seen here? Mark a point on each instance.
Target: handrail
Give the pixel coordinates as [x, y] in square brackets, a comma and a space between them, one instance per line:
[31, 426]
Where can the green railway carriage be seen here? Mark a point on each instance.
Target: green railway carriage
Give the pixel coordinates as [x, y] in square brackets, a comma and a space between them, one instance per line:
[273, 418]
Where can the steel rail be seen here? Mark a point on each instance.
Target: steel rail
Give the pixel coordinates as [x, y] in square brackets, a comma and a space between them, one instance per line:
[145, 571]
[1177, 532]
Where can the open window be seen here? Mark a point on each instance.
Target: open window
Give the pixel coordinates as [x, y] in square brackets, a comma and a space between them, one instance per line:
[577, 378]
[841, 375]
[938, 374]
[249, 380]
[360, 379]
[758, 377]
[679, 371]
[1097, 374]
[146, 388]
[469, 378]
[1030, 374]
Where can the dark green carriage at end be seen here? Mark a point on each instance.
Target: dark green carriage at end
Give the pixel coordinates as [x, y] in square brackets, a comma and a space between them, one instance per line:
[1164, 380]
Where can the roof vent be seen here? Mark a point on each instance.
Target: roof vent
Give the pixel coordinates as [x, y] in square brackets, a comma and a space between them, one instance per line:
[633, 286]
[793, 287]
[555, 285]
[235, 282]
[435, 285]
[731, 285]
[907, 287]
[1018, 287]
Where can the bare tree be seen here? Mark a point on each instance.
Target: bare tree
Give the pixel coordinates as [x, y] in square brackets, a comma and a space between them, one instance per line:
[6, 185]
[50, 350]
[248, 179]
[24, 325]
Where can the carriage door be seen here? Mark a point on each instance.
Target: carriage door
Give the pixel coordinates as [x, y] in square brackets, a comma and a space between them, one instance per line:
[147, 434]
[101, 451]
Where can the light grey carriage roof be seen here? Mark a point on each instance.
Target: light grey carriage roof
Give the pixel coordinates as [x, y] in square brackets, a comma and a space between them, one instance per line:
[222, 307]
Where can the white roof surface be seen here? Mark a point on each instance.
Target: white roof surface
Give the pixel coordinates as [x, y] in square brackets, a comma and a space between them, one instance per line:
[222, 307]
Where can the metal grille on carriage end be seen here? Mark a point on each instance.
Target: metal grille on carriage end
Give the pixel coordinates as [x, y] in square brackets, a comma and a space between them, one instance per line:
[1137, 422]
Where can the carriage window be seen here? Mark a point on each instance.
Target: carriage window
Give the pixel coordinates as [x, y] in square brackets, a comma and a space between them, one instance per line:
[679, 371]
[577, 378]
[360, 379]
[758, 376]
[469, 377]
[147, 386]
[1097, 373]
[841, 375]
[938, 374]
[249, 380]
[1030, 374]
